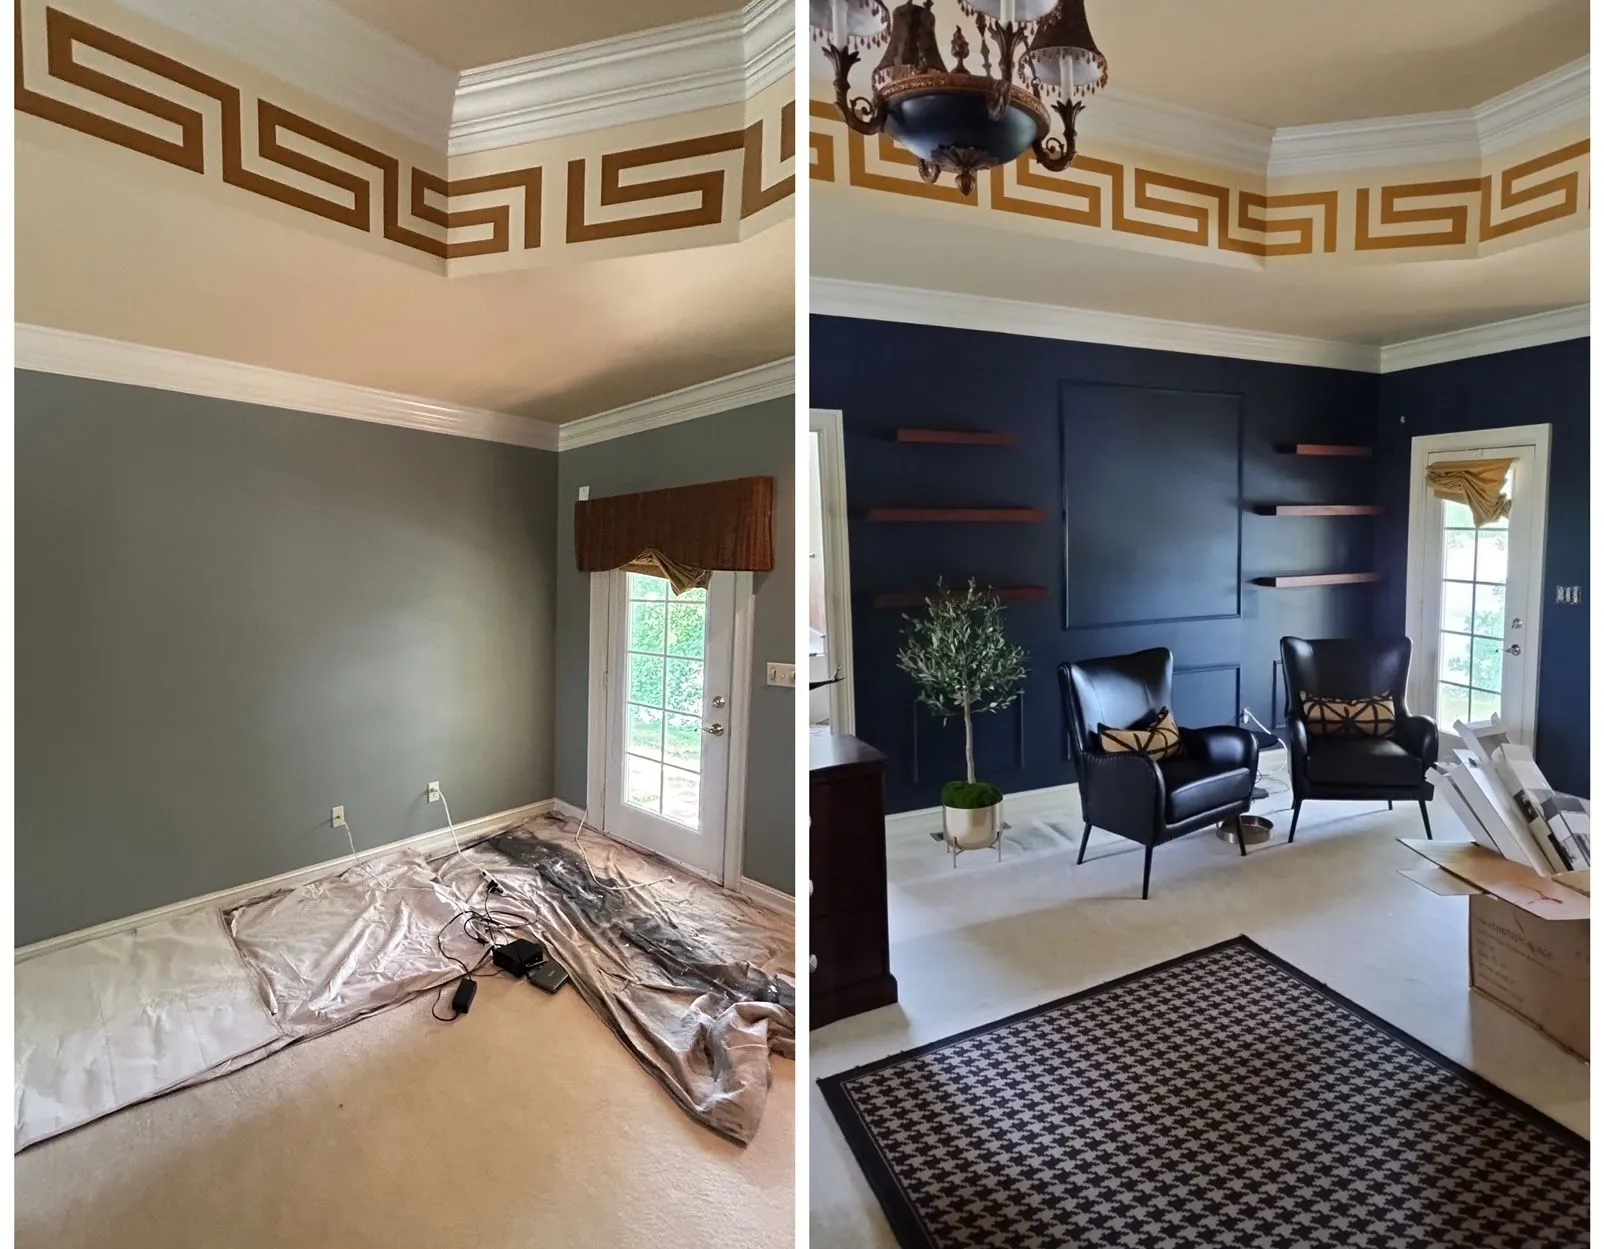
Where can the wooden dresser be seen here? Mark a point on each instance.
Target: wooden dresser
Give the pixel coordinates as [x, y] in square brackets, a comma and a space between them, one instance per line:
[850, 959]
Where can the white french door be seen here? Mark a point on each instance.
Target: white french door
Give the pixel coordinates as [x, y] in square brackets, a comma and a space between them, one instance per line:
[668, 693]
[1478, 593]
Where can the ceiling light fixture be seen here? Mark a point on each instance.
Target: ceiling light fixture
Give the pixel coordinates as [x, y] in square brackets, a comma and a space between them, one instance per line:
[958, 120]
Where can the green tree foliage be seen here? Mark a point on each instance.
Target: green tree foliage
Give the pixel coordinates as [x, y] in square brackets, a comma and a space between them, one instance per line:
[959, 657]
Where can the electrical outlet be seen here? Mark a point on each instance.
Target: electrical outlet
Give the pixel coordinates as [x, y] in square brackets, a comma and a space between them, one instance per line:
[337, 817]
[434, 791]
[782, 674]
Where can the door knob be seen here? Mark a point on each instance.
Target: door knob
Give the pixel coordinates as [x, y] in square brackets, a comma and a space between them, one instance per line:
[716, 729]
[1513, 648]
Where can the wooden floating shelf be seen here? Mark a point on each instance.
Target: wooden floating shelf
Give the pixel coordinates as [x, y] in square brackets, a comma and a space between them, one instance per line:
[1005, 593]
[1325, 449]
[957, 515]
[1316, 509]
[958, 437]
[1327, 578]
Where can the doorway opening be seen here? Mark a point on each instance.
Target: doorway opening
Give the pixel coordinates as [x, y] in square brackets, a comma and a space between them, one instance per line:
[830, 688]
[1475, 595]
[669, 679]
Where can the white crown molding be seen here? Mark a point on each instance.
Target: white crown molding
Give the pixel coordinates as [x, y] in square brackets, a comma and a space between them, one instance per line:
[319, 47]
[1556, 99]
[692, 65]
[47, 350]
[1122, 120]
[1484, 340]
[723, 394]
[832, 297]
[1546, 103]
[870, 302]
[427, 844]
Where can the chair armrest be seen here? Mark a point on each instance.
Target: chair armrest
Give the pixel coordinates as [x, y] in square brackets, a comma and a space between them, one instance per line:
[1223, 746]
[1418, 735]
[1123, 793]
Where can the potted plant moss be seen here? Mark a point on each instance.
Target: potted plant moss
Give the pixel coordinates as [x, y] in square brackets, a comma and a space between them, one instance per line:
[963, 664]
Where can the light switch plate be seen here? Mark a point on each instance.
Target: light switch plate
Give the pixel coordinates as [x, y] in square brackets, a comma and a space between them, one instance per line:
[783, 674]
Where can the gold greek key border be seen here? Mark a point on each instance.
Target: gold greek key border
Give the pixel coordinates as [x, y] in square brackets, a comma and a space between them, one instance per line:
[1092, 194]
[429, 194]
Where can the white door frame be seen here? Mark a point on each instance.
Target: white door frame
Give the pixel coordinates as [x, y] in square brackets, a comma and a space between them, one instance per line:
[739, 721]
[837, 567]
[1536, 491]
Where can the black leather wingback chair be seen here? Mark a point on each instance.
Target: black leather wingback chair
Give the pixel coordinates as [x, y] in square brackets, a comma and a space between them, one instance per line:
[1364, 768]
[1149, 800]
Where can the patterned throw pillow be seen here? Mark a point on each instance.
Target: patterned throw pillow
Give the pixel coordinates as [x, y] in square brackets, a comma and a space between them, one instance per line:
[1349, 717]
[1156, 735]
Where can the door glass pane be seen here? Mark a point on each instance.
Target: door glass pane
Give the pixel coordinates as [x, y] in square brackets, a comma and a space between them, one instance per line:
[645, 731]
[641, 586]
[665, 655]
[682, 741]
[1483, 704]
[1456, 515]
[1489, 618]
[1453, 703]
[646, 627]
[646, 679]
[1459, 554]
[687, 629]
[682, 796]
[1492, 555]
[1456, 606]
[1455, 658]
[684, 686]
[643, 782]
[1487, 664]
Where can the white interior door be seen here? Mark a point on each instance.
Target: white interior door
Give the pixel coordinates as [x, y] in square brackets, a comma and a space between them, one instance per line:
[668, 716]
[1476, 650]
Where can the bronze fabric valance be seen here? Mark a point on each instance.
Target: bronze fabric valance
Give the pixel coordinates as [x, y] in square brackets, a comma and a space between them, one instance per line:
[1478, 484]
[685, 533]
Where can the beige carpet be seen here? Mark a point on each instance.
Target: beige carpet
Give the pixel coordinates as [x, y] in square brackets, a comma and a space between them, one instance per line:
[525, 1123]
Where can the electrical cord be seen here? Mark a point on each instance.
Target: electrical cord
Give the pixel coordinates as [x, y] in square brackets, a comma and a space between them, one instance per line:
[482, 924]
[596, 880]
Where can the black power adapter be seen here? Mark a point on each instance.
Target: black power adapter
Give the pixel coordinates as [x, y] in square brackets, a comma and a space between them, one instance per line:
[519, 957]
[462, 999]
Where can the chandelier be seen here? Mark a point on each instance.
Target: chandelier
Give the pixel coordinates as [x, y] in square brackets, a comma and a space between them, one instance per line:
[956, 119]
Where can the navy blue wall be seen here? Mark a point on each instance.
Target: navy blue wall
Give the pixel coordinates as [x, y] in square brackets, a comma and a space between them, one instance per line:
[1146, 462]
[1532, 386]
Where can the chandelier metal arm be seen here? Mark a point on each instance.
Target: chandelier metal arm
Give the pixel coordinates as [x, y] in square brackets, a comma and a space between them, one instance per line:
[1010, 38]
[1052, 153]
[866, 116]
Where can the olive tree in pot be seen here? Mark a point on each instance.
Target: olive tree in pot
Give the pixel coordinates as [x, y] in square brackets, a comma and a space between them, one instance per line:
[963, 664]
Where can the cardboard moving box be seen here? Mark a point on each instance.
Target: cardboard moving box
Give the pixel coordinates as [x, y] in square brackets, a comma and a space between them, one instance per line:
[1529, 934]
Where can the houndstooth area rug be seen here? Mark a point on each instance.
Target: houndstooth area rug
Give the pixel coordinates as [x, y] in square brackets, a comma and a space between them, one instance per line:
[1222, 1099]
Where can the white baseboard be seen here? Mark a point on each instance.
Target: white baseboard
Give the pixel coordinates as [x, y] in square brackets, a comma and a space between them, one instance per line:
[428, 844]
[768, 896]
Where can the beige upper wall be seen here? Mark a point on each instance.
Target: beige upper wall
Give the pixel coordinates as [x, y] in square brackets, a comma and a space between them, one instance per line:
[465, 34]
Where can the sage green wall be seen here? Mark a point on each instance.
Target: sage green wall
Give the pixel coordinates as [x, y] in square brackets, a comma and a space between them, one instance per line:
[230, 618]
[754, 441]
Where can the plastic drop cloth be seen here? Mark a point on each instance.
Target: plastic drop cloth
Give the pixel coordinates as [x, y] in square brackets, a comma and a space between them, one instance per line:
[128, 1016]
[698, 982]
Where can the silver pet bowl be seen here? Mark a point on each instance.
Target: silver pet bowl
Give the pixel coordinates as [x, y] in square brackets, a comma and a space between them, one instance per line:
[1255, 830]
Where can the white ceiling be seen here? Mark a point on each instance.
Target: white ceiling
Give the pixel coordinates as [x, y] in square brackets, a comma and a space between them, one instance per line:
[464, 34]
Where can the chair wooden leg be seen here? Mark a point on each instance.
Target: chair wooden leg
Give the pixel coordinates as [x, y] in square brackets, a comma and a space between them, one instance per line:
[1147, 870]
[1425, 819]
[1084, 838]
[1296, 808]
[1241, 838]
